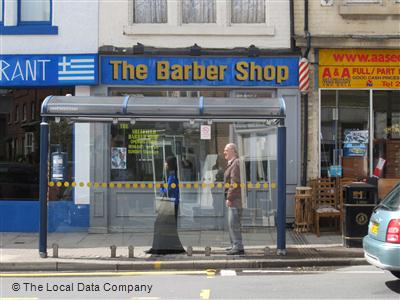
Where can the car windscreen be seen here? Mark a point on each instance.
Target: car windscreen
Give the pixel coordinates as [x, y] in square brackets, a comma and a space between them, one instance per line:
[392, 200]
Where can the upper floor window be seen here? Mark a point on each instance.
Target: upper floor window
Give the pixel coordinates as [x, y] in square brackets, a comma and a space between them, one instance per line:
[362, 1]
[198, 11]
[150, 11]
[248, 11]
[35, 11]
[1, 11]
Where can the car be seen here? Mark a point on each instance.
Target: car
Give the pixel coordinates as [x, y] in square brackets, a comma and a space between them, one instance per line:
[382, 244]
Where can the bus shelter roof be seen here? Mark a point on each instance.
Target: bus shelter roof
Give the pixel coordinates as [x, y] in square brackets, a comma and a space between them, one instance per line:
[139, 107]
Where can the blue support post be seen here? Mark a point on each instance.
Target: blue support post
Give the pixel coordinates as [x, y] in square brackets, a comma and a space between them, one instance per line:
[281, 209]
[43, 184]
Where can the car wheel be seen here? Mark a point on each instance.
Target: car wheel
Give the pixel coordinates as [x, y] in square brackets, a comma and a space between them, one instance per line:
[396, 273]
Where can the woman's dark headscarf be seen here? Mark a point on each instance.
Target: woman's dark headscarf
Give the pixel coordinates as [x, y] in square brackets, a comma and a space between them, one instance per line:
[172, 164]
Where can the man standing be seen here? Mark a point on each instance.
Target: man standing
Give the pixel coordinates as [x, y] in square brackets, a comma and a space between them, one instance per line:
[233, 199]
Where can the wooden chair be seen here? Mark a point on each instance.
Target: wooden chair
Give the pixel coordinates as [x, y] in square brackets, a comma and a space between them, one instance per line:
[326, 202]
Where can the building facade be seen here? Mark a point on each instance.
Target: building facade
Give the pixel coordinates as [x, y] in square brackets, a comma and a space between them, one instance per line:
[352, 110]
[191, 49]
[44, 51]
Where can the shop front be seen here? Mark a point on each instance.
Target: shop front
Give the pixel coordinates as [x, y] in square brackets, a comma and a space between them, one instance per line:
[26, 80]
[200, 160]
[118, 162]
[359, 92]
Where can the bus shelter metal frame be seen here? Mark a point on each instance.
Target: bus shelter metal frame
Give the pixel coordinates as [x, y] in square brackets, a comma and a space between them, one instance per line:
[136, 108]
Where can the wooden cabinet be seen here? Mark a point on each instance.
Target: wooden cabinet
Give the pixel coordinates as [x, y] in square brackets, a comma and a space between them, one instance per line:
[355, 166]
[393, 159]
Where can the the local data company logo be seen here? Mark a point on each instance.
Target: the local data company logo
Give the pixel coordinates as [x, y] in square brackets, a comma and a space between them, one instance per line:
[76, 68]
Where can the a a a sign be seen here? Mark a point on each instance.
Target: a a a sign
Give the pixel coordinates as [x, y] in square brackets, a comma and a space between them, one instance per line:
[359, 68]
[200, 71]
[48, 70]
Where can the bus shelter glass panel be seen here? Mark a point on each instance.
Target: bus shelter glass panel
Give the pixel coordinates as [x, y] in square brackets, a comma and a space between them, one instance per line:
[160, 184]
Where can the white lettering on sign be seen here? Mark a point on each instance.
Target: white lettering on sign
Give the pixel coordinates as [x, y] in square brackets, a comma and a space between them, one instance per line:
[23, 70]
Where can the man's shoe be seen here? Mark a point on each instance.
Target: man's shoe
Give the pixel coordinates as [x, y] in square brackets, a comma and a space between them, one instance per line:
[229, 248]
[235, 252]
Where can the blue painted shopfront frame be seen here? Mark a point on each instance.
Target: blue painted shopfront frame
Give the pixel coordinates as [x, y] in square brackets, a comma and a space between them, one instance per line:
[23, 216]
[200, 71]
[48, 70]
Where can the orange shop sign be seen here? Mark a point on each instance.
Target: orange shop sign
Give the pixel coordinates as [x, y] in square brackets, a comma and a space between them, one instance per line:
[359, 68]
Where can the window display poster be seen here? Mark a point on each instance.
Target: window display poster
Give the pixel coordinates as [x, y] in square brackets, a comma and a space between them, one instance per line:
[143, 141]
[355, 142]
[118, 158]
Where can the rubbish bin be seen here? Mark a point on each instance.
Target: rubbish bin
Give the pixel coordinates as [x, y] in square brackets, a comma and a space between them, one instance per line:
[360, 200]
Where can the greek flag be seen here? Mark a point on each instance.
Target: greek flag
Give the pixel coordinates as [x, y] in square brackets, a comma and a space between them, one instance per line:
[76, 69]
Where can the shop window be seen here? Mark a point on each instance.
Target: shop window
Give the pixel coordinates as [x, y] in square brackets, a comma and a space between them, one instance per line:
[18, 181]
[345, 133]
[138, 152]
[248, 11]
[198, 11]
[386, 149]
[150, 11]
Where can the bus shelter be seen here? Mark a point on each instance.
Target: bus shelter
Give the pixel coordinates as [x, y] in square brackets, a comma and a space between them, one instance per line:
[110, 154]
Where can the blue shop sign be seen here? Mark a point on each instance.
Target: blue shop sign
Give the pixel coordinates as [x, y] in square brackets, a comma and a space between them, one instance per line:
[200, 71]
[48, 70]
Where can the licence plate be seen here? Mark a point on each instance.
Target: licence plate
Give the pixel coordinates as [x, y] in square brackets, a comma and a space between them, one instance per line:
[374, 228]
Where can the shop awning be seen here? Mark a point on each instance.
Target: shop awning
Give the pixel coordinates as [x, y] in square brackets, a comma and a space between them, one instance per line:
[139, 107]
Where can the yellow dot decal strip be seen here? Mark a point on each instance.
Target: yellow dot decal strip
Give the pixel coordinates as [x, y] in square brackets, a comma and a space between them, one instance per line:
[158, 185]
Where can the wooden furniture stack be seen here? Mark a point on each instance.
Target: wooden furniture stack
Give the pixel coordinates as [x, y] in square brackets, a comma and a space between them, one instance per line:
[303, 209]
[393, 159]
[326, 202]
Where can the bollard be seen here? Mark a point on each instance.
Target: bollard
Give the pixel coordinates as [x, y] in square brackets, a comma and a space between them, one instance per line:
[189, 251]
[55, 250]
[130, 251]
[207, 251]
[113, 249]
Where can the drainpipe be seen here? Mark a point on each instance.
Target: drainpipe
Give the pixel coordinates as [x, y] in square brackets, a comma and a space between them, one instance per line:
[291, 11]
[305, 97]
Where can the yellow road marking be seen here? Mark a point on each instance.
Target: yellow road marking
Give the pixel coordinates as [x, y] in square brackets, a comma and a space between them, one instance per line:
[157, 265]
[115, 273]
[205, 294]
[211, 272]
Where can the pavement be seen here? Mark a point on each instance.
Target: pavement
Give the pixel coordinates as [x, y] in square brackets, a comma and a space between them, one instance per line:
[83, 251]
